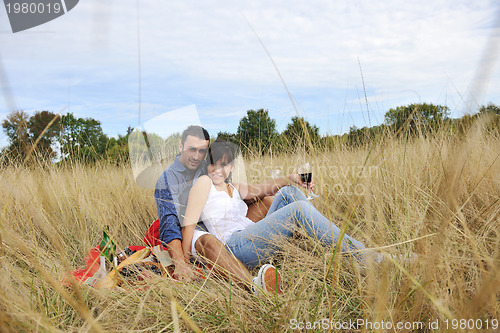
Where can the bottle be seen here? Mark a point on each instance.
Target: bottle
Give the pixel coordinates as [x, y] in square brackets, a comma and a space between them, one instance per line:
[107, 248]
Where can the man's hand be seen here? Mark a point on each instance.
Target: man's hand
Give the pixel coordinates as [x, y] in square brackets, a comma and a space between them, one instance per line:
[183, 269]
[185, 272]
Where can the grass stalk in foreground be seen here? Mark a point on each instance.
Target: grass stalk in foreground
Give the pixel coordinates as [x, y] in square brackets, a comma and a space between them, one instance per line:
[437, 196]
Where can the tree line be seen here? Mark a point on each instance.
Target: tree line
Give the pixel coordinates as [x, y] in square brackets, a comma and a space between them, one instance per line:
[46, 135]
[257, 132]
[422, 120]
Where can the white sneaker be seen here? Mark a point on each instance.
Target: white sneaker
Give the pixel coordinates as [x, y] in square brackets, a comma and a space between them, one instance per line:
[267, 281]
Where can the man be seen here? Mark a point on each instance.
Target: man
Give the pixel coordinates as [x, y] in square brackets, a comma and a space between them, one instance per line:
[171, 195]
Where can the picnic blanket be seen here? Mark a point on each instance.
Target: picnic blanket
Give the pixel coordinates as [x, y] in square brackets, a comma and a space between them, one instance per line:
[139, 263]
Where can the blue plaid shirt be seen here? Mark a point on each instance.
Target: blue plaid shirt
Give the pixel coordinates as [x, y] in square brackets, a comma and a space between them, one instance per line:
[171, 195]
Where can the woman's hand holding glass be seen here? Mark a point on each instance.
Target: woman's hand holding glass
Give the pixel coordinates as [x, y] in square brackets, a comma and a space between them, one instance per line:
[295, 178]
[305, 173]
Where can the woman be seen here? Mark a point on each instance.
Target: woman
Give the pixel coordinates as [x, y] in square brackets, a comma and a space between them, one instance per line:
[220, 205]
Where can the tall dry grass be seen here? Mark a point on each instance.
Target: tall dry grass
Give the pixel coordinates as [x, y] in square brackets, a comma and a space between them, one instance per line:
[437, 196]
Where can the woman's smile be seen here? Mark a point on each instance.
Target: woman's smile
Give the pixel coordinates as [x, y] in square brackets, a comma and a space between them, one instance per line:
[217, 177]
[219, 171]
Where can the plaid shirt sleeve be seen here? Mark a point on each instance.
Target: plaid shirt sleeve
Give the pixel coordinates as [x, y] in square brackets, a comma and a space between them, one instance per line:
[166, 201]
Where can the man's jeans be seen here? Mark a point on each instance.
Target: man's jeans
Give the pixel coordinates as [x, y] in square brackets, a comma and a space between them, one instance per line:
[289, 210]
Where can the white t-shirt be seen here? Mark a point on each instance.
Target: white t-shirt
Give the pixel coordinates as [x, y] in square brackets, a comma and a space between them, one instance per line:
[224, 215]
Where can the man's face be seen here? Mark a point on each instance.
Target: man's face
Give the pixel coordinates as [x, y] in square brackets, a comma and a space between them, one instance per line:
[193, 152]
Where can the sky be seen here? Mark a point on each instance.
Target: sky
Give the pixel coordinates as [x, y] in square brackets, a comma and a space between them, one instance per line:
[126, 62]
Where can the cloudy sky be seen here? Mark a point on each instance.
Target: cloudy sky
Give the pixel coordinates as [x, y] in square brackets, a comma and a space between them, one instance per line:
[206, 54]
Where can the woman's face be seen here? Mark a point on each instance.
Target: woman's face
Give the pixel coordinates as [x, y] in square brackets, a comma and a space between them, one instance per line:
[219, 171]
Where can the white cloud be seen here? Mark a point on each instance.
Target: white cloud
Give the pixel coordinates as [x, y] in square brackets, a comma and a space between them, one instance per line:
[206, 54]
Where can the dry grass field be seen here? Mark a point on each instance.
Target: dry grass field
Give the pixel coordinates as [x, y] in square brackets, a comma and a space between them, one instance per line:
[436, 196]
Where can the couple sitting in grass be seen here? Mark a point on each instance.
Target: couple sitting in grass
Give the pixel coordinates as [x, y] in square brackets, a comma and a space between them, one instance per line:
[203, 215]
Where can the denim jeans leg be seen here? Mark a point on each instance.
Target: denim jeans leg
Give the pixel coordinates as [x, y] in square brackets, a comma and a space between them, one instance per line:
[257, 243]
[286, 195]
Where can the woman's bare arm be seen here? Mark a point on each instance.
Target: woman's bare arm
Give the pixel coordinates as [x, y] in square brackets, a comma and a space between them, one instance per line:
[197, 198]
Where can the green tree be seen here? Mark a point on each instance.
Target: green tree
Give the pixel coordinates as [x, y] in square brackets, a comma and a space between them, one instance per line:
[364, 136]
[82, 138]
[415, 117]
[490, 108]
[35, 134]
[226, 136]
[117, 149]
[257, 131]
[492, 113]
[331, 141]
[355, 136]
[46, 135]
[300, 132]
[148, 147]
[16, 128]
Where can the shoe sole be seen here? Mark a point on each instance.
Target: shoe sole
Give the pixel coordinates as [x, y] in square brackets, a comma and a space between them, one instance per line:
[271, 279]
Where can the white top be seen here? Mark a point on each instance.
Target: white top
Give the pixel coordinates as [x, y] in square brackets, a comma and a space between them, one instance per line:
[224, 215]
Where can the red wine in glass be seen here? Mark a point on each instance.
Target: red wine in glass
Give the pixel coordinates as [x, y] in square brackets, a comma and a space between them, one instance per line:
[306, 177]
[305, 173]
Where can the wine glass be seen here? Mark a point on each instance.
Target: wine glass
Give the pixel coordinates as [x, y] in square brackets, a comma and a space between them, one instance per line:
[305, 173]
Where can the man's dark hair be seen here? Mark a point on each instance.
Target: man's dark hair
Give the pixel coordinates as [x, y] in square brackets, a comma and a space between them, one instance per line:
[195, 130]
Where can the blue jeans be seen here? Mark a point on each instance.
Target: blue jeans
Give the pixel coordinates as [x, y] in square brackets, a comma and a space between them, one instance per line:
[290, 209]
